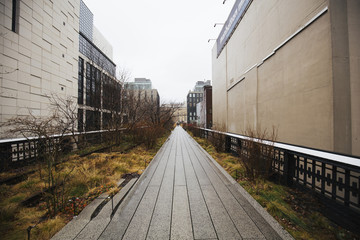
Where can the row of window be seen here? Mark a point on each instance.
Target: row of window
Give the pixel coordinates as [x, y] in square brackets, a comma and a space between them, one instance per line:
[94, 54]
[102, 92]
[192, 95]
[95, 82]
[93, 86]
[94, 120]
[191, 104]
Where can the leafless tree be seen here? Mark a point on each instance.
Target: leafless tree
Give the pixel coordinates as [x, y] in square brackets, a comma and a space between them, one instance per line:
[257, 153]
[52, 133]
[67, 109]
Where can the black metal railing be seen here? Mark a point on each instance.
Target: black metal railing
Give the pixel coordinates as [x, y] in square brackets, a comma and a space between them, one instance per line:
[333, 176]
[20, 152]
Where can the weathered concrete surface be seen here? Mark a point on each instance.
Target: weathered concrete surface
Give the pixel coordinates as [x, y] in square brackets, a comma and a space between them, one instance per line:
[83, 227]
[79, 222]
[185, 194]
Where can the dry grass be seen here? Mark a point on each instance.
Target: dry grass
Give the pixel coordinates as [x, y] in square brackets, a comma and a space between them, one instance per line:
[296, 211]
[89, 177]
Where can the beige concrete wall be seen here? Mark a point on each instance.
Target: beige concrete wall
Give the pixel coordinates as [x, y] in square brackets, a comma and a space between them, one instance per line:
[295, 89]
[353, 8]
[40, 59]
[219, 90]
[265, 26]
[302, 88]
[341, 76]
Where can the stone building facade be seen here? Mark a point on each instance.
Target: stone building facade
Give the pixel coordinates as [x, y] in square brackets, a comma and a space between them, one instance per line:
[39, 50]
[293, 65]
[51, 47]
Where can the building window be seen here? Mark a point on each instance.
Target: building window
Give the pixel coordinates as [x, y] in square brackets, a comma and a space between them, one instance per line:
[87, 48]
[93, 86]
[97, 83]
[106, 120]
[80, 120]
[92, 120]
[111, 94]
[88, 83]
[15, 16]
[81, 82]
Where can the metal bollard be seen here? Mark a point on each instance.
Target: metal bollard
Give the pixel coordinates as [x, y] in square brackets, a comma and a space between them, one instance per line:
[28, 231]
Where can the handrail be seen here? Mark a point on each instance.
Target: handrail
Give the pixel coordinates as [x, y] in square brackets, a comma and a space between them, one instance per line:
[9, 140]
[337, 157]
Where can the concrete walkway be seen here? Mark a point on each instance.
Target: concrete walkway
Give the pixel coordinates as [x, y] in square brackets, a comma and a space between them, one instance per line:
[184, 194]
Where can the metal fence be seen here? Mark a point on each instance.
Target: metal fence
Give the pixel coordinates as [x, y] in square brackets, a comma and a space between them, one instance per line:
[20, 152]
[333, 176]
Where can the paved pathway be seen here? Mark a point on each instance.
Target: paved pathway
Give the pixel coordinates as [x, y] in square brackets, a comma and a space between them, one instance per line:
[183, 194]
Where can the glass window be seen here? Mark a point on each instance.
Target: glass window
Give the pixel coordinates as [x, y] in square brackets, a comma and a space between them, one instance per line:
[80, 120]
[88, 84]
[81, 81]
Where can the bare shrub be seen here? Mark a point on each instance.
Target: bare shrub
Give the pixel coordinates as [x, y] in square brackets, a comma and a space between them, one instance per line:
[193, 129]
[53, 133]
[257, 153]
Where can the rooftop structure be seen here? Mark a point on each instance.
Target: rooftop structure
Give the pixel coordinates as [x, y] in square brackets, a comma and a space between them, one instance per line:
[140, 84]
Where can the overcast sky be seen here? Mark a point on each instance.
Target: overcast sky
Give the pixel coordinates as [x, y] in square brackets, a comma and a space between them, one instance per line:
[163, 40]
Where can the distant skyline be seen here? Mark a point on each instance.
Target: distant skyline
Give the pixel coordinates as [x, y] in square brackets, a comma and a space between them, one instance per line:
[162, 40]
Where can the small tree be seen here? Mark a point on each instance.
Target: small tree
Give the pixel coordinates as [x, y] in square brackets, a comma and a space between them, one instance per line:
[257, 153]
[52, 133]
[66, 109]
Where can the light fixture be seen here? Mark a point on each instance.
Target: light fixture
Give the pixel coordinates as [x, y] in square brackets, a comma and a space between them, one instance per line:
[218, 24]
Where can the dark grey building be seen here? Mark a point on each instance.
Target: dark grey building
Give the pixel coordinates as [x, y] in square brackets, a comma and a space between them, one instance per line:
[98, 90]
[193, 98]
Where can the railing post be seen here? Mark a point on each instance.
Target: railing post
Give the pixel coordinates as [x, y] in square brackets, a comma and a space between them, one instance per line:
[5, 156]
[239, 146]
[227, 143]
[347, 188]
[289, 168]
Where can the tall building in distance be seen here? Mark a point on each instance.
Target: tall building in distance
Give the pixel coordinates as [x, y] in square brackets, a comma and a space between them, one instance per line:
[199, 86]
[140, 96]
[180, 114]
[52, 48]
[139, 84]
[204, 108]
[293, 65]
[194, 97]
